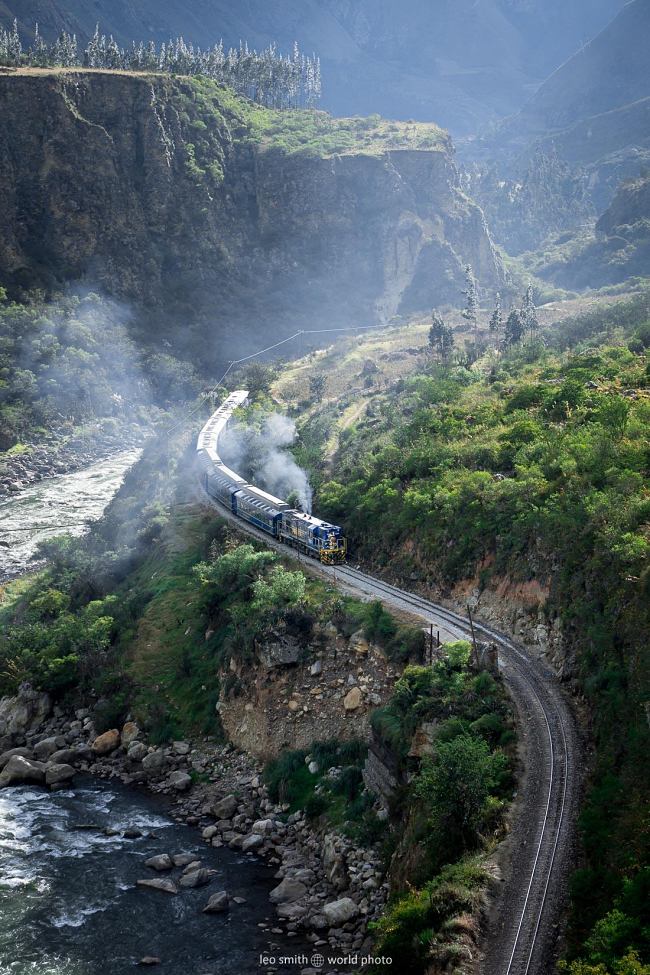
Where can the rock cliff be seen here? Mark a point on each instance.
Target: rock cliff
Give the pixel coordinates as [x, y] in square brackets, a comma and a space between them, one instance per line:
[181, 199]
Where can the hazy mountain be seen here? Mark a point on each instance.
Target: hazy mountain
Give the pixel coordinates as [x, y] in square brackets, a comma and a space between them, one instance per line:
[458, 62]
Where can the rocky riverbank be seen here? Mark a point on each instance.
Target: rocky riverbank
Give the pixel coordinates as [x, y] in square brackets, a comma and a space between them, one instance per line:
[327, 887]
[37, 461]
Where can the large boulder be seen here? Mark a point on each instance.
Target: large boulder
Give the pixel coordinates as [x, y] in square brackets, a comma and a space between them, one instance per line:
[251, 842]
[218, 903]
[197, 878]
[106, 743]
[291, 912]
[339, 912]
[162, 861]
[164, 884]
[154, 761]
[130, 732]
[4, 758]
[180, 781]
[137, 751]
[64, 756]
[287, 891]
[45, 748]
[56, 773]
[20, 769]
[25, 711]
[225, 808]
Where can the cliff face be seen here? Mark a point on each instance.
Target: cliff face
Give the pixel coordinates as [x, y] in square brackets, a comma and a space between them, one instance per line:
[179, 198]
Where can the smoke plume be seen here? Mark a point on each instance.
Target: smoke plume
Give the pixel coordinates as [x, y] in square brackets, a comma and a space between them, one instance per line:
[262, 457]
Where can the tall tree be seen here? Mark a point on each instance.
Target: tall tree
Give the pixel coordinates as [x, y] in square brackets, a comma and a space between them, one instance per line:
[496, 319]
[515, 328]
[529, 312]
[441, 337]
[470, 311]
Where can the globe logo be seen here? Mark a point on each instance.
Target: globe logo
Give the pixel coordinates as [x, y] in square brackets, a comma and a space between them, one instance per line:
[317, 961]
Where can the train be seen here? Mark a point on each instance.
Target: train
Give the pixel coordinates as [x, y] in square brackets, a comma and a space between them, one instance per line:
[313, 536]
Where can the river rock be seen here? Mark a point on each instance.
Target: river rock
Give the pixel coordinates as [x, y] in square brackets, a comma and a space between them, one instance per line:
[287, 891]
[218, 903]
[137, 751]
[149, 960]
[106, 743]
[291, 912]
[189, 867]
[83, 753]
[183, 859]
[45, 748]
[58, 772]
[180, 781]
[352, 699]
[359, 644]
[154, 761]
[130, 732]
[164, 884]
[181, 747]
[225, 808]
[251, 842]
[263, 826]
[64, 756]
[197, 878]
[162, 861]
[4, 758]
[20, 769]
[338, 912]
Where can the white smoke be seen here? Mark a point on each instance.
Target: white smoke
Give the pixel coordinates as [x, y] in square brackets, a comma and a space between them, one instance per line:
[262, 457]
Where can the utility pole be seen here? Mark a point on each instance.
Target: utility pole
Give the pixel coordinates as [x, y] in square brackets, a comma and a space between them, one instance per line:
[471, 626]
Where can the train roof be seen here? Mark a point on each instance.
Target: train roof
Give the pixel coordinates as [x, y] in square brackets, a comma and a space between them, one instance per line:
[208, 438]
[312, 520]
[226, 476]
[229, 475]
[257, 498]
[267, 498]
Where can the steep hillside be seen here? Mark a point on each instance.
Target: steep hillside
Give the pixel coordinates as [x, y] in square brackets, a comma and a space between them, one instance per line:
[182, 199]
[519, 486]
[616, 249]
[462, 63]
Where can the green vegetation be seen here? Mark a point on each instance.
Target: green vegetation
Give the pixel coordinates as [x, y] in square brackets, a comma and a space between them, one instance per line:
[531, 467]
[451, 809]
[293, 131]
[335, 793]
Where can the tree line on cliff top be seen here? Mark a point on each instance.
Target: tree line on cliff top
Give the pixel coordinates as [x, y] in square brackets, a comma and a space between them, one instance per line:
[268, 77]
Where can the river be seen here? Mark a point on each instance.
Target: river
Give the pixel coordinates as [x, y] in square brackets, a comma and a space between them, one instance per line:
[57, 506]
[69, 904]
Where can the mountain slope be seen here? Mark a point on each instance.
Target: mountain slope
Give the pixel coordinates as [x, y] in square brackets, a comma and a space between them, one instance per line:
[594, 110]
[456, 61]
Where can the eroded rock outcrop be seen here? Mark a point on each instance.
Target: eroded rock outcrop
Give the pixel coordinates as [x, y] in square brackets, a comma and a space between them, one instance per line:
[161, 193]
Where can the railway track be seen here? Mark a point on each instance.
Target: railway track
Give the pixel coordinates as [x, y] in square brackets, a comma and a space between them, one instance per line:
[524, 922]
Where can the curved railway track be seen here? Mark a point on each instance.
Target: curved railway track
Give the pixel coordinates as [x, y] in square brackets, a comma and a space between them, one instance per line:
[523, 924]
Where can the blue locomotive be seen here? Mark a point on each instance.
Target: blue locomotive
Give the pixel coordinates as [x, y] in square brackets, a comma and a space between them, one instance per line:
[304, 532]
